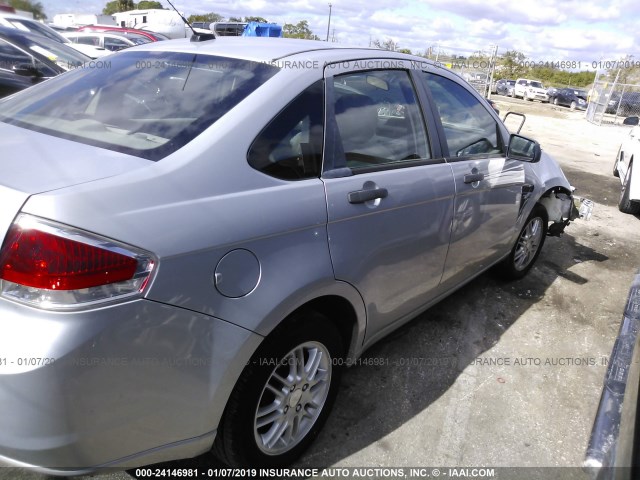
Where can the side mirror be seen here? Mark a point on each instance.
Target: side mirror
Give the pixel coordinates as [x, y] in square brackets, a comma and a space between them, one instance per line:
[26, 70]
[524, 149]
[631, 121]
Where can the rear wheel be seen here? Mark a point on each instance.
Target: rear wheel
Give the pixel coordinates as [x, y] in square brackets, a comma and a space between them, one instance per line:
[626, 205]
[283, 396]
[527, 247]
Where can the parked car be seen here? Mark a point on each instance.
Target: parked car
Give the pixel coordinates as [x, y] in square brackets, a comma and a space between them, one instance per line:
[27, 59]
[11, 20]
[530, 90]
[505, 87]
[108, 40]
[206, 236]
[629, 104]
[201, 25]
[613, 452]
[623, 169]
[152, 36]
[551, 92]
[572, 98]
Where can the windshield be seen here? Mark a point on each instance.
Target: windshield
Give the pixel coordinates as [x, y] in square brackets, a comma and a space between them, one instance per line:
[63, 56]
[136, 38]
[536, 84]
[146, 104]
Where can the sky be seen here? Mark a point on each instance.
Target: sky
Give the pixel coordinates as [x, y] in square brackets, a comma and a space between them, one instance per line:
[585, 32]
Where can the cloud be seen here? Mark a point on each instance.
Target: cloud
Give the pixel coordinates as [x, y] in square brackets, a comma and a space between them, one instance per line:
[541, 29]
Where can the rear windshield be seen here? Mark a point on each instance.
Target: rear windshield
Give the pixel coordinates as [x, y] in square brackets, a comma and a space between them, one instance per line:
[147, 104]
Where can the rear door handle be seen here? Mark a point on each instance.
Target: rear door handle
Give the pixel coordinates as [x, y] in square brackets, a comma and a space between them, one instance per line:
[361, 196]
[473, 177]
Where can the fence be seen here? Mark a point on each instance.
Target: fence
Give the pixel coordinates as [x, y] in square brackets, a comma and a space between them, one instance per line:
[611, 101]
[476, 67]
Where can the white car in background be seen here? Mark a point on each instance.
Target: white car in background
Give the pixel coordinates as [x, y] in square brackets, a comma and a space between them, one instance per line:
[623, 168]
[13, 20]
[109, 41]
[530, 90]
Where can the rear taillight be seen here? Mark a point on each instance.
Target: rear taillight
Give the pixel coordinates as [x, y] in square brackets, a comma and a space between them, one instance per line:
[49, 265]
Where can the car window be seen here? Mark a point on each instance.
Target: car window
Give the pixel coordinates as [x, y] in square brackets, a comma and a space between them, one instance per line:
[290, 147]
[114, 44]
[468, 126]
[147, 104]
[33, 26]
[379, 119]
[93, 40]
[11, 56]
[63, 56]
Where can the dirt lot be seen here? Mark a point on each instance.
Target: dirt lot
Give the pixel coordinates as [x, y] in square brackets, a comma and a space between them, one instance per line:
[499, 374]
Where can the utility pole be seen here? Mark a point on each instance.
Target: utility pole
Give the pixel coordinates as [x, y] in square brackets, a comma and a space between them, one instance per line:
[328, 24]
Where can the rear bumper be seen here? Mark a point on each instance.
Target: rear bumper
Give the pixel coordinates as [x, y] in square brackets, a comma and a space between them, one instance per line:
[122, 386]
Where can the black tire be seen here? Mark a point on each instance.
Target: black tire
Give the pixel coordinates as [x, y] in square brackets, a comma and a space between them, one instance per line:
[239, 439]
[615, 164]
[555, 101]
[573, 105]
[625, 205]
[528, 245]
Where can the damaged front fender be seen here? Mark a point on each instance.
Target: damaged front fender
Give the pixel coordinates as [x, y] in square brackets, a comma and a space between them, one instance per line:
[564, 207]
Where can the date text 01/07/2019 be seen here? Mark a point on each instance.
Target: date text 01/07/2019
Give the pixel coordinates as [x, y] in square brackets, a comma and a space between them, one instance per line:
[27, 361]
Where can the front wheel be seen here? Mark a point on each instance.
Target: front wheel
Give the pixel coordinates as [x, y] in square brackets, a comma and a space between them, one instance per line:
[555, 101]
[573, 105]
[283, 396]
[626, 205]
[527, 247]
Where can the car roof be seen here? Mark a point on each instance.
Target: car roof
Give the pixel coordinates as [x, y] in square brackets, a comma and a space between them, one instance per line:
[266, 49]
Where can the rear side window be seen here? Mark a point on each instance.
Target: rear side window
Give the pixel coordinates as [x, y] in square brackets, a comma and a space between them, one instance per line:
[290, 147]
[147, 104]
[379, 119]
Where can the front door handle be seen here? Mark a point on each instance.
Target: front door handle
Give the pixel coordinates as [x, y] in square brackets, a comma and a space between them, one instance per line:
[473, 177]
[361, 196]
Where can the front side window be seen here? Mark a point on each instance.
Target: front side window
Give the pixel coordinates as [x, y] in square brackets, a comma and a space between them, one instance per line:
[468, 126]
[290, 147]
[147, 104]
[379, 119]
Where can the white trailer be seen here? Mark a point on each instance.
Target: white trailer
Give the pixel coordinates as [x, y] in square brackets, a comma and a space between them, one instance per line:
[82, 19]
[167, 22]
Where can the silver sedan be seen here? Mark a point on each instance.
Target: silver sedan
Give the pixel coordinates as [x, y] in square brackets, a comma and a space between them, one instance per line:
[199, 235]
